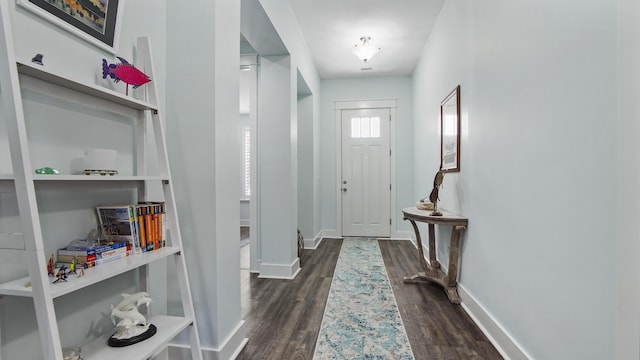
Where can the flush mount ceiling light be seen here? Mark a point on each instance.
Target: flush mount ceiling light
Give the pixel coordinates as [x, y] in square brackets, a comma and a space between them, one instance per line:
[365, 50]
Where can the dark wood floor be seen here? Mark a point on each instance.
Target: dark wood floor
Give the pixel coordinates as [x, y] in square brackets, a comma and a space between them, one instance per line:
[284, 316]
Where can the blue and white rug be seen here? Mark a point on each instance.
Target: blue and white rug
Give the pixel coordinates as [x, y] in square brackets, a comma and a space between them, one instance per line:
[361, 318]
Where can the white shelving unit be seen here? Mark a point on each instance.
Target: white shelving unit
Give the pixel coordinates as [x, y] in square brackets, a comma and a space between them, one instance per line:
[26, 184]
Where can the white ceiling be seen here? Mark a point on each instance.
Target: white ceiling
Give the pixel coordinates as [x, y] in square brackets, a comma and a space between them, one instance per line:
[333, 27]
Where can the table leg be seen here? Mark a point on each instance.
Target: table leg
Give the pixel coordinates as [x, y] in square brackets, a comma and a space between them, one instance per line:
[452, 274]
[429, 272]
[423, 263]
[433, 261]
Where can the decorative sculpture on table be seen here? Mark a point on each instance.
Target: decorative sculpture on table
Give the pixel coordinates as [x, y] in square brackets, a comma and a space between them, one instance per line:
[433, 197]
[124, 71]
[133, 326]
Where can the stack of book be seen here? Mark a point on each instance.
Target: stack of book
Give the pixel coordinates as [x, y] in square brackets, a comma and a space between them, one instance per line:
[91, 256]
[141, 225]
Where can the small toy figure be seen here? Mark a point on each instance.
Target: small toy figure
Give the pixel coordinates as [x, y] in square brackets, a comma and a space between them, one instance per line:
[47, 170]
[61, 275]
[37, 59]
[50, 266]
[72, 266]
[125, 72]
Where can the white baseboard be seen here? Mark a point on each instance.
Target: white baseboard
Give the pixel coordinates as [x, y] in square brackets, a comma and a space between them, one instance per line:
[312, 244]
[331, 234]
[506, 345]
[230, 349]
[402, 235]
[499, 337]
[280, 271]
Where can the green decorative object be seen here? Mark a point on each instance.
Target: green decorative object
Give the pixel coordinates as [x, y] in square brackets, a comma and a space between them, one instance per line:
[48, 171]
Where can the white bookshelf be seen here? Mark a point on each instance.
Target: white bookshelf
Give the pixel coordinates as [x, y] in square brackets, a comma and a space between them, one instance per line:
[30, 242]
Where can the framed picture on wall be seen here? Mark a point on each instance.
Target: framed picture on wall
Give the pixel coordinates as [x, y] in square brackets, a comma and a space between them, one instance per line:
[450, 132]
[95, 21]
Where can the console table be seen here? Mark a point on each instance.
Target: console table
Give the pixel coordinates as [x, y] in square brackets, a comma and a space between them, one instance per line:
[432, 271]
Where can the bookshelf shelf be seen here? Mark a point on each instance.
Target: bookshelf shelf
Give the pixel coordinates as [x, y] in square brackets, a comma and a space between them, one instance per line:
[38, 72]
[92, 275]
[6, 183]
[17, 76]
[168, 328]
[53, 182]
[96, 178]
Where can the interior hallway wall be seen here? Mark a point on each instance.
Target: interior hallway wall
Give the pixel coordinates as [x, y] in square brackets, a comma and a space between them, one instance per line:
[627, 333]
[204, 152]
[539, 85]
[398, 88]
[306, 175]
[281, 15]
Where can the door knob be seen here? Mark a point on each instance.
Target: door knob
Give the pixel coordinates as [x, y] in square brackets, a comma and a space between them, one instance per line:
[344, 189]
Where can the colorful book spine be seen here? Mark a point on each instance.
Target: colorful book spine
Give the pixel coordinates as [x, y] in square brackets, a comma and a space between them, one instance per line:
[148, 223]
[141, 211]
[136, 233]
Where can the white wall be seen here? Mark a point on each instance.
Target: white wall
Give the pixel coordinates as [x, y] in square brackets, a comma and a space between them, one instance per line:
[284, 55]
[202, 134]
[283, 19]
[627, 333]
[365, 89]
[277, 175]
[306, 176]
[539, 88]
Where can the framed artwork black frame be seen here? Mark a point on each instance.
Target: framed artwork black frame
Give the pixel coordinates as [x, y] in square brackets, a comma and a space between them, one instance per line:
[97, 24]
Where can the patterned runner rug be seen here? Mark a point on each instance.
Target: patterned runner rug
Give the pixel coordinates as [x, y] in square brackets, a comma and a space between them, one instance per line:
[361, 318]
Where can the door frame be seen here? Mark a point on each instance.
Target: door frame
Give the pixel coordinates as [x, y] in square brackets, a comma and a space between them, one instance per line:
[390, 104]
[252, 61]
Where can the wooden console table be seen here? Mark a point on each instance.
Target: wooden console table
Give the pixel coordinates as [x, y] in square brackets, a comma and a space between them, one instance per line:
[432, 271]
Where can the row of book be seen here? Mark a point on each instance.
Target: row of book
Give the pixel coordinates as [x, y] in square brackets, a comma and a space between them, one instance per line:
[125, 230]
[141, 225]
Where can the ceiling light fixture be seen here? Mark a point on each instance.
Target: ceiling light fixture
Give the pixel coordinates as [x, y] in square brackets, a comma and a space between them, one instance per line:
[365, 50]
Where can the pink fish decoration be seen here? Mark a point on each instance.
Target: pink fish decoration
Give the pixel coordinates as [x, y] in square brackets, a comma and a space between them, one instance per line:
[125, 72]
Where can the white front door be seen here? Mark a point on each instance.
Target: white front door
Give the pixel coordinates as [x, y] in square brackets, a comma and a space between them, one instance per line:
[366, 179]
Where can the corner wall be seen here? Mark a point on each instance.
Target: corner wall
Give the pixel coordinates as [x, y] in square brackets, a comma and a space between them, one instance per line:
[627, 333]
[539, 88]
[204, 152]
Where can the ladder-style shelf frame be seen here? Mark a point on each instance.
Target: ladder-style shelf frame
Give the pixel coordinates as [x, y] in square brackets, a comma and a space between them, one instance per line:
[26, 184]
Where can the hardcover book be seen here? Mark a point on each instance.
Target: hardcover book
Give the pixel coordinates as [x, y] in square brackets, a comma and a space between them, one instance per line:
[118, 224]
